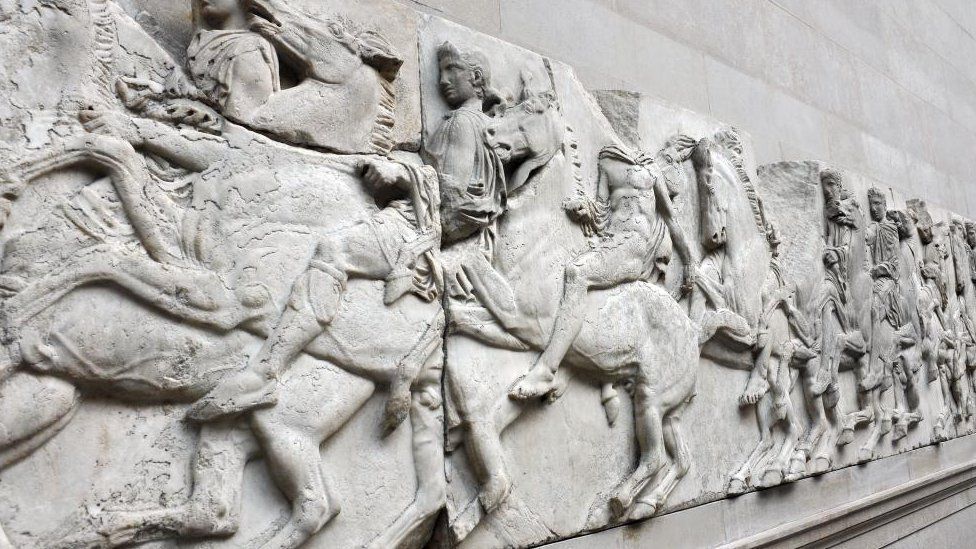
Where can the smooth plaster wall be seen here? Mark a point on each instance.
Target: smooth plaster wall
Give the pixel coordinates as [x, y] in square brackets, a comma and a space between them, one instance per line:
[883, 87]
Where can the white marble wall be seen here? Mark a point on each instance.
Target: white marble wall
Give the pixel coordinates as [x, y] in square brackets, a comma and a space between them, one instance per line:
[884, 87]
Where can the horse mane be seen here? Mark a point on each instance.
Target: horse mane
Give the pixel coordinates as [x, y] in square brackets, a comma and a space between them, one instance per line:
[376, 51]
[731, 145]
[538, 104]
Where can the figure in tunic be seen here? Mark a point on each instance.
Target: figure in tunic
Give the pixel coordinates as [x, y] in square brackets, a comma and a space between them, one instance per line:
[235, 68]
[842, 213]
[472, 179]
[340, 93]
[634, 213]
[886, 307]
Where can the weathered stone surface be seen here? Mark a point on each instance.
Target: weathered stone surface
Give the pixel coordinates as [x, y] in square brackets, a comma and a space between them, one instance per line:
[249, 286]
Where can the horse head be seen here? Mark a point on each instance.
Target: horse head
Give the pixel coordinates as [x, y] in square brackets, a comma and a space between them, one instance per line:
[527, 136]
[713, 200]
[326, 50]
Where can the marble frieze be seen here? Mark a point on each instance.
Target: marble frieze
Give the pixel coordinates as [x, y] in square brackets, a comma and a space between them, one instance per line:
[340, 274]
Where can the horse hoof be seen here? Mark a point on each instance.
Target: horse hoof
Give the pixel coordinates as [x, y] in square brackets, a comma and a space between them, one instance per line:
[737, 486]
[618, 506]
[771, 477]
[598, 517]
[821, 465]
[642, 510]
[865, 454]
[792, 477]
[495, 492]
[846, 437]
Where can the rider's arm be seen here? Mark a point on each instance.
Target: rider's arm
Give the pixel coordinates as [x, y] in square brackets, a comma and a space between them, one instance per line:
[190, 149]
[602, 186]
[678, 238]
[252, 83]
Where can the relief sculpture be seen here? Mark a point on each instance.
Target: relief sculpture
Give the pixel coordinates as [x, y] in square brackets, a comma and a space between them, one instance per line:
[253, 295]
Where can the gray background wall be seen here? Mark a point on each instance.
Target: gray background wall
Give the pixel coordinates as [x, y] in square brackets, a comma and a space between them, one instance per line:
[884, 87]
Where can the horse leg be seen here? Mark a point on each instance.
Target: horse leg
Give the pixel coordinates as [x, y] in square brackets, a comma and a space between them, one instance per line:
[651, 501]
[32, 410]
[214, 506]
[779, 469]
[650, 440]
[810, 448]
[742, 478]
[488, 458]
[295, 464]
[428, 459]
[291, 434]
[881, 424]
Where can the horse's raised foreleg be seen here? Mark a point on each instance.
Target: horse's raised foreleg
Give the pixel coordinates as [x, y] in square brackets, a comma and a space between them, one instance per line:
[409, 529]
[742, 478]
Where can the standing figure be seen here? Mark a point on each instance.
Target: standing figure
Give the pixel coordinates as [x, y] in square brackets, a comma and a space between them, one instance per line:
[640, 229]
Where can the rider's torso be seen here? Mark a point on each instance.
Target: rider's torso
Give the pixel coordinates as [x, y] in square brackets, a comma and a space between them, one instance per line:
[633, 206]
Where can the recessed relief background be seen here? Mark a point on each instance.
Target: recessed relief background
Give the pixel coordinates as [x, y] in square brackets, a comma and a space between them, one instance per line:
[290, 274]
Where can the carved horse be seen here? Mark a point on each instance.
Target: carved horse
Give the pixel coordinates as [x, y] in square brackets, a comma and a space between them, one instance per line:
[121, 317]
[745, 325]
[654, 344]
[733, 237]
[346, 81]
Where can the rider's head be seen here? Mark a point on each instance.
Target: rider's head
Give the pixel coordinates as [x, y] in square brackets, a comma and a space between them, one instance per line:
[221, 14]
[465, 75]
[877, 204]
[830, 180]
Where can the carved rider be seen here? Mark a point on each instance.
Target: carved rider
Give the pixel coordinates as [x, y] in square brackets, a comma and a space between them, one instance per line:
[471, 176]
[971, 242]
[883, 242]
[634, 213]
[397, 244]
[778, 294]
[235, 68]
[841, 213]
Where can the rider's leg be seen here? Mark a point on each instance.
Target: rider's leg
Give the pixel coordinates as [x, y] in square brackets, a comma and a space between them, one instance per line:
[581, 275]
[758, 383]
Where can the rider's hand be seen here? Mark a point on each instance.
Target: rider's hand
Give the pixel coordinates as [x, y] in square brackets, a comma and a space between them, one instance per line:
[385, 173]
[110, 123]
